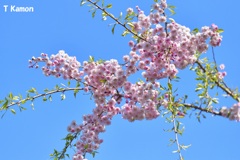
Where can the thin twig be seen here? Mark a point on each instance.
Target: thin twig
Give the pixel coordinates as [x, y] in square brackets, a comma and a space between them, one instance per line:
[214, 59]
[42, 95]
[176, 138]
[115, 19]
[203, 109]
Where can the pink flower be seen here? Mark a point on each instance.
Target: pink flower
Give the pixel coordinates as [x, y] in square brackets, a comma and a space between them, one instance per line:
[214, 27]
[222, 66]
[129, 11]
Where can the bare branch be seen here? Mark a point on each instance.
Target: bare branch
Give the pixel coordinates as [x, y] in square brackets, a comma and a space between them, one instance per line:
[207, 110]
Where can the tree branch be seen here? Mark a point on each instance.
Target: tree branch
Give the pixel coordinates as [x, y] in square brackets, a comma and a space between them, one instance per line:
[41, 95]
[68, 143]
[225, 88]
[203, 109]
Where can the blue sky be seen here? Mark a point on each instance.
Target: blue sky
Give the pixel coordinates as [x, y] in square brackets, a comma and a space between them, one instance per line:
[56, 25]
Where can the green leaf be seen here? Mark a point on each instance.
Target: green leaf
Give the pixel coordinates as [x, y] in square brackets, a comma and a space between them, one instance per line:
[171, 6]
[109, 6]
[5, 104]
[50, 98]
[172, 141]
[102, 3]
[10, 95]
[91, 59]
[63, 96]
[181, 131]
[220, 30]
[13, 111]
[32, 105]
[215, 100]
[196, 30]
[22, 108]
[198, 118]
[178, 124]
[46, 90]
[170, 86]
[94, 153]
[125, 33]
[32, 90]
[185, 147]
[44, 99]
[93, 13]
[172, 11]
[75, 92]
[197, 89]
[78, 84]
[69, 137]
[57, 87]
[24, 101]
[104, 14]
[120, 16]
[130, 24]
[86, 146]
[177, 151]
[185, 97]
[103, 80]
[82, 2]
[104, 18]
[100, 61]
[161, 87]
[113, 28]
[15, 98]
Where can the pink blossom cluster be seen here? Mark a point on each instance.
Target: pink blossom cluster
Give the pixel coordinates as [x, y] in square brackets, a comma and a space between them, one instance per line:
[92, 125]
[131, 63]
[58, 65]
[168, 47]
[146, 96]
[232, 113]
[104, 79]
[221, 75]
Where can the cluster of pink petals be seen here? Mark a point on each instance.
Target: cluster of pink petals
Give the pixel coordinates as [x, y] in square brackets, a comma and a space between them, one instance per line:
[232, 113]
[104, 79]
[168, 47]
[92, 125]
[58, 65]
[221, 75]
[146, 95]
